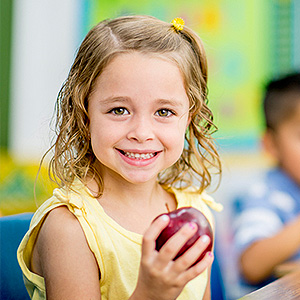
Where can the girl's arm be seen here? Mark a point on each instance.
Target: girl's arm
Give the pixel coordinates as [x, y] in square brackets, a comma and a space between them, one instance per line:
[161, 278]
[258, 261]
[63, 258]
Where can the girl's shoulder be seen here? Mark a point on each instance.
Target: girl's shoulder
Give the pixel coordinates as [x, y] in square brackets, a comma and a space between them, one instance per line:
[56, 243]
[59, 225]
[61, 250]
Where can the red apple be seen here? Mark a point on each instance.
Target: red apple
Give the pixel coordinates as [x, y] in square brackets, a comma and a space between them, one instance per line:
[180, 217]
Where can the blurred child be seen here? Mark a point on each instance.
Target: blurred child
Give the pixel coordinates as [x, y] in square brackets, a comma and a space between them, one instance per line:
[133, 135]
[269, 224]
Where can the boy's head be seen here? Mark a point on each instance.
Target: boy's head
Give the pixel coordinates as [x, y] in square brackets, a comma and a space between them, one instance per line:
[281, 99]
[282, 116]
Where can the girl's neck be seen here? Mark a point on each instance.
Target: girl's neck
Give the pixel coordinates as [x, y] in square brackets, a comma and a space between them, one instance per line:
[126, 203]
[145, 194]
[121, 190]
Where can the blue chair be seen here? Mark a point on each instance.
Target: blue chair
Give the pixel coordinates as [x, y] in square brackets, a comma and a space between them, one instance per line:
[216, 280]
[12, 230]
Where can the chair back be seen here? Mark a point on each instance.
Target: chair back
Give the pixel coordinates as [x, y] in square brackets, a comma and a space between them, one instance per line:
[12, 230]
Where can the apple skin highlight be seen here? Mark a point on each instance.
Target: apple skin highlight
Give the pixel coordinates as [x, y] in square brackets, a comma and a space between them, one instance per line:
[180, 217]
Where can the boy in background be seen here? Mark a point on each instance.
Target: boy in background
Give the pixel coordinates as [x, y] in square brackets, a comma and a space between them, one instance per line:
[268, 226]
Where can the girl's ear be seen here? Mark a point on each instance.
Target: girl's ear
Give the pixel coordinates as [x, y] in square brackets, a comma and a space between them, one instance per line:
[269, 143]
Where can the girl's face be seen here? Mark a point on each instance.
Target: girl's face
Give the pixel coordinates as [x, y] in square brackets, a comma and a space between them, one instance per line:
[139, 111]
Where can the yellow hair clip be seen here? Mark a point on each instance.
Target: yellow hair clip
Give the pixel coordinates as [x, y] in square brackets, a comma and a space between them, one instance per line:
[178, 23]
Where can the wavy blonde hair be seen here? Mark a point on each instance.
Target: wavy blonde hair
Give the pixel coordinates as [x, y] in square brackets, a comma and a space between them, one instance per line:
[73, 156]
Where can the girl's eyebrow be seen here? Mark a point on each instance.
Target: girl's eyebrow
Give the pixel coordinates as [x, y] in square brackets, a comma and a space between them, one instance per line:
[113, 99]
[172, 102]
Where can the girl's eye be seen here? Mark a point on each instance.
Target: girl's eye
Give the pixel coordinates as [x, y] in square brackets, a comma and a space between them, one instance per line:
[164, 112]
[119, 111]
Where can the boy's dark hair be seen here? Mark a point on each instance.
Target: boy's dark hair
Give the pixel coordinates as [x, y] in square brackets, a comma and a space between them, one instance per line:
[281, 98]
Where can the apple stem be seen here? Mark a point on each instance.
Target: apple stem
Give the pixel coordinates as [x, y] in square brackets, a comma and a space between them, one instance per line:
[167, 206]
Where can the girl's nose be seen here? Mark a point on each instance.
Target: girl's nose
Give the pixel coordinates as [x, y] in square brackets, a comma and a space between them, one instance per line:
[141, 130]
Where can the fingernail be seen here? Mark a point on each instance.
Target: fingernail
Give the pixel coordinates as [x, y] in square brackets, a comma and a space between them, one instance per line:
[192, 225]
[204, 238]
[164, 218]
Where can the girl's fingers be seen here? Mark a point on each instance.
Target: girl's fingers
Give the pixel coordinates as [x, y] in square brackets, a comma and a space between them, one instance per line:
[196, 270]
[186, 260]
[171, 248]
[152, 233]
[160, 264]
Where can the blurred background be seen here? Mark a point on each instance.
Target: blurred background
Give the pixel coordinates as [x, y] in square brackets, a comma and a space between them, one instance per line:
[247, 42]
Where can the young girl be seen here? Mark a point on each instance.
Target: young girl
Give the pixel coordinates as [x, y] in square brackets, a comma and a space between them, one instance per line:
[133, 134]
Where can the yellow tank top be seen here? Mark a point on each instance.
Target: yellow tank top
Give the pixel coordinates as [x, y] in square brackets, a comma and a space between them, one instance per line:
[117, 252]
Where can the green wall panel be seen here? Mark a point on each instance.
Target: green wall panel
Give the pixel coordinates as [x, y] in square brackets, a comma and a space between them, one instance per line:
[5, 61]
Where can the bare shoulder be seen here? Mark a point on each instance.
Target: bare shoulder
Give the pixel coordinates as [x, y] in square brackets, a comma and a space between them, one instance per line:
[60, 223]
[62, 256]
[59, 229]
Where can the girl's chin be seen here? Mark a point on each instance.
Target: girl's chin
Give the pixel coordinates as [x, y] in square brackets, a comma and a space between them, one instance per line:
[140, 179]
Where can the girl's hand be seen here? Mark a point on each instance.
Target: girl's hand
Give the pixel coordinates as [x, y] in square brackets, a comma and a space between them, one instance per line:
[162, 278]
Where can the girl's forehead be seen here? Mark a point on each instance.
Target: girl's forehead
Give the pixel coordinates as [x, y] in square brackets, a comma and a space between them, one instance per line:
[162, 59]
[130, 64]
[139, 76]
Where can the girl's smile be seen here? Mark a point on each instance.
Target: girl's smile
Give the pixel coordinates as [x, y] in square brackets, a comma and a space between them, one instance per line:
[139, 158]
[139, 111]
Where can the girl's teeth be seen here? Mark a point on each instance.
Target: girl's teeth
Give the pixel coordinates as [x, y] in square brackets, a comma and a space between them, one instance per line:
[139, 156]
